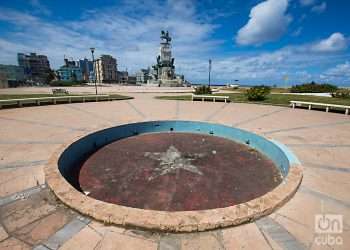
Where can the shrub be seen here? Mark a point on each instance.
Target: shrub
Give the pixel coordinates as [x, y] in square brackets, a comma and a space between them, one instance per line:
[341, 93]
[50, 77]
[258, 93]
[202, 90]
[313, 88]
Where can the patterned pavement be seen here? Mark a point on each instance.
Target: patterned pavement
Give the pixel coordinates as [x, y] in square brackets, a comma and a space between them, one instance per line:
[32, 218]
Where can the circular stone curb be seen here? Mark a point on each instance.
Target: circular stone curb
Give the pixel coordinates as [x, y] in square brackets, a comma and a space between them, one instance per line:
[178, 221]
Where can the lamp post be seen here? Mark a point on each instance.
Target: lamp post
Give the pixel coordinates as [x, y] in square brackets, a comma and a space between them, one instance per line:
[209, 71]
[93, 67]
[286, 81]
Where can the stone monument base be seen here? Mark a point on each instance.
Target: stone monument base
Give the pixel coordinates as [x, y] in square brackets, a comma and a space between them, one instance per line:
[166, 83]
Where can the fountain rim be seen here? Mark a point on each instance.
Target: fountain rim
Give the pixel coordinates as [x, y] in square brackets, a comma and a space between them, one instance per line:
[174, 221]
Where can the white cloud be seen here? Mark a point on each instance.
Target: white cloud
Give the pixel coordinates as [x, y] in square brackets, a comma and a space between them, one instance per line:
[319, 8]
[316, 8]
[39, 7]
[336, 42]
[130, 32]
[339, 71]
[298, 62]
[268, 22]
[307, 2]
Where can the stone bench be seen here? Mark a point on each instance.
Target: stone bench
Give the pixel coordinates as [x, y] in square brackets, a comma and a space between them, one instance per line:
[328, 106]
[210, 97]
[53, 100]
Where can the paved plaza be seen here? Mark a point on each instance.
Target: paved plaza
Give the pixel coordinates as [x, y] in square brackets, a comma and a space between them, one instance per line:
[32, 217]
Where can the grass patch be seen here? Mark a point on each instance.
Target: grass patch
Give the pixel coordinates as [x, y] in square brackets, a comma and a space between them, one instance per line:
[244, 89]
[271, 99]
[23, 96]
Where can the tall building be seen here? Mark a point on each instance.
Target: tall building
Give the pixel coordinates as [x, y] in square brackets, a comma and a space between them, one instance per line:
[3, 80]
[106, 69]
[86, 68]
[11, 76]
[36, 67]
[70, 72]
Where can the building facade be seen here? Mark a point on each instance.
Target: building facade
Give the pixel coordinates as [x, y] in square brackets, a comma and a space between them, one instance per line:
[86, 67]
[70, 72]
[3, 81]
[11, 76]
[36, 67]
[123, 77]
[92, 76]
[132, 80]
[142, 76]
[105, 69]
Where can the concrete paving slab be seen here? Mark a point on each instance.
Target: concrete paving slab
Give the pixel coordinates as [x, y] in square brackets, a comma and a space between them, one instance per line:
[203, 241]
[170, 242]
[300, 118]
[23, 194]
[13, 244]
[3, 233]
[22, 164]
[279, 234]
[196, 110]
[320, 137]
[247, 236]
[26, 152]
[16, 180]
[23, 212]
[114, 241]
[30, 135]
[40, 230]
[87, 238]
[332, 183]
[66, 233]
[302, 224]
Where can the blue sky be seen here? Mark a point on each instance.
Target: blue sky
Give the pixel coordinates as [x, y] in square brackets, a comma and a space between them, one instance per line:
[253, 41]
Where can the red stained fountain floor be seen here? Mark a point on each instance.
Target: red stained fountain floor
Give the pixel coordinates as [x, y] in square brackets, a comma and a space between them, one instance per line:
[177, 172]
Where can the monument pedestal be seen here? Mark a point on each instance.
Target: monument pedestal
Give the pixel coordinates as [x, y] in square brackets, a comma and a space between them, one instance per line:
[166, 83]
[164, 71]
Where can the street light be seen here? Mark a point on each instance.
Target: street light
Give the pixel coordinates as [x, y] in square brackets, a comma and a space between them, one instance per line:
[286, 81]
[93, 67]
[209, 70]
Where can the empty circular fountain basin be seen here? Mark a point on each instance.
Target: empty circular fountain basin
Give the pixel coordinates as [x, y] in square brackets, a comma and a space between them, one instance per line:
[174, 175]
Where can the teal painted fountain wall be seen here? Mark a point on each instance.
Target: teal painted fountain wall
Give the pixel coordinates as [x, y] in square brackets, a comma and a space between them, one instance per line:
[82, 148]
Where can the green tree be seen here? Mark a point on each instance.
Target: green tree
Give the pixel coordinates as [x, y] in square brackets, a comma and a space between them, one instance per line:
[50, 76]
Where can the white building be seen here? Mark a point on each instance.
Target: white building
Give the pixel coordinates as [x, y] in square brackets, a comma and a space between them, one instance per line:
[106, 69]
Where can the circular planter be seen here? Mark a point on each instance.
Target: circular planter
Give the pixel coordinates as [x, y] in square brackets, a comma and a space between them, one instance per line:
[63, 162]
